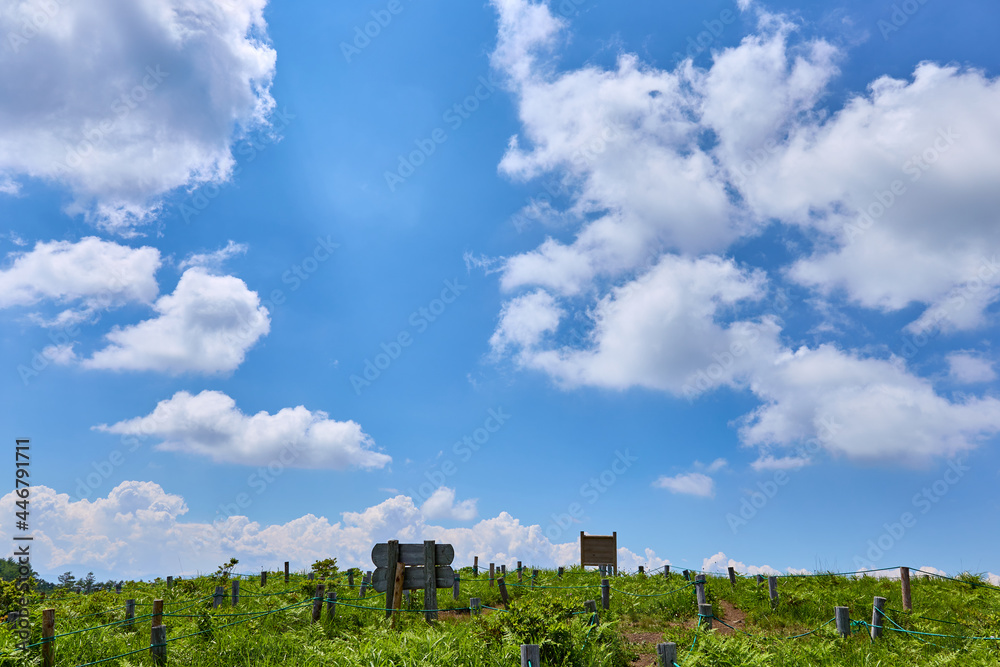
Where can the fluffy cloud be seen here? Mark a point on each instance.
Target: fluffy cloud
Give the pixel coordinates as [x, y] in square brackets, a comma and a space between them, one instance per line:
[442, 505]
[663, 170]
[123, 103]
[206, 326]
[691, 483]
[139, 531]
[970, 369]
[209, 424]
[214, 260]
[91, 273]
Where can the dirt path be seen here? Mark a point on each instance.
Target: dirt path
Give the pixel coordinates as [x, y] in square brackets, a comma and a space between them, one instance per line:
[645, 643]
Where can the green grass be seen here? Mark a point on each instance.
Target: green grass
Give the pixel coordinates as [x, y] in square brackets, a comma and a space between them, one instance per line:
[271, 630]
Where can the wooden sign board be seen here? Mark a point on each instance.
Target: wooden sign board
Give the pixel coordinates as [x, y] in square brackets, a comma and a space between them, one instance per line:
[411, 567]
[599, 550]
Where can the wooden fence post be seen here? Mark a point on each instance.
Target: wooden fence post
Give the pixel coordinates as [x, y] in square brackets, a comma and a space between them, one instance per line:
[157, 613]
[641, 570]
[687, 575]
[474, 605]
[534, 576]
[286, 571]
[48, 632]
[503, 591]
[217, 598]
[236, 592]
[331, 605]
[843, 616]
[878, 604]
[530, 655]
[129, 613]
[503, 570]
[365, 580]
[158, 644]
[699, 588]
[591, 606]
[263, 578]
[666, 573]
[491, 575]
[904, 582]
[760, 579]
[475, 566]
[318, 602]
[170, 582]
[519, 580]
[705, 615]
[350, 577]
[430, 581]
[605, 594]
[311, 576]
[667, 653]
[560, 571]
[732, 576]
[392, 554]
[772, 590]
[454, 588]
[118, 588]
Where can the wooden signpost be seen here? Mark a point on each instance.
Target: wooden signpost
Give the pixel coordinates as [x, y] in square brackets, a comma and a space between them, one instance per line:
[599, 550]
[412, 567]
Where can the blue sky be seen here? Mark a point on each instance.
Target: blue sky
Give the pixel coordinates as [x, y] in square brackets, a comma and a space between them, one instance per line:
[720, 277]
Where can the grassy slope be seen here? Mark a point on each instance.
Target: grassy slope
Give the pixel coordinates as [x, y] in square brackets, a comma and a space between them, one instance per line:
[362, 637]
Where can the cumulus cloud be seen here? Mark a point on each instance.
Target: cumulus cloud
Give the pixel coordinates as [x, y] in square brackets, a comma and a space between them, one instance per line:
[691, 483]
[124, 102]
[210, 424]
[139, 530]
[970, 369]
[206, 326]
[214, 260]
[720, 563]
[90, 273]
[664, 170]
[442, 505]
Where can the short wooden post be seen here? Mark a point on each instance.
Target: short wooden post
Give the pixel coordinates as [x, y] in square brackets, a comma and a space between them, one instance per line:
[331, 605]
[311, 576]
[667, 653]
[170, 582]
[48, 632]
[772, 589]
[503, 570]
[878, 605]
[365, 581]
[475, 566]
[263, 579]
[591, 606]
[406, 596]
[760, 579]
[157, 613]
[641, 570]
[904, 582]
[560, 571]
[843, 616]
[217, 598]
[503, 591]
[534, 576]
[491, 575]
[454, 587]
[699, 587]
[236, 592]
[118, 588]
[129, 613]
[430, 581]
[350, 577]
[519, 580]
[603, 569]
[732, 576]
[687, 575]
[475, 606]
[286, 571]
[12, 618]
[605, 594]
[158, 644]
[705, 615]
[318, 602]
[530, 655]
[666, 573]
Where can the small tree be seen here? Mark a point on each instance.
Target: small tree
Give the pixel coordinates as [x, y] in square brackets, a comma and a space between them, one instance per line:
[67, 580]
[87, 583]
[224, 571]
[325, 569]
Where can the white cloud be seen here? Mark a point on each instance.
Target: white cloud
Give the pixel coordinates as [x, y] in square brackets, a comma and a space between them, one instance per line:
[139, 531]
[691, 483]
[123, 104]
[524, 320]
[60, 354]
[714, 466]
[91, 273]
[442, 505]
[970, 369]
[768, 462]
[209, 424]
[206, 326]
[721, 563]
[214, 260]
